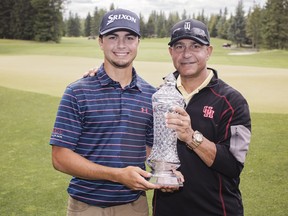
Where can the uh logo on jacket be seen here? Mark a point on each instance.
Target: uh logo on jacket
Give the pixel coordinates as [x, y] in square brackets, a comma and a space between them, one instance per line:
[208, 112]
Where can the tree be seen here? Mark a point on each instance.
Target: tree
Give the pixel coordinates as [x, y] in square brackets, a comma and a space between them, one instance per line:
[88, 25]
[184, 15]
[173, 18]
[161, 25]
[237, 32]
[142, 26]
[212, 25]
[57, 19]
[97, 17]
[254, 25]
[223, 25]
[6, 8]
[275, 28]
[112, 7]
[40, 20]
[21, 22]
[152, 25]
[201, 17]
[47, 20]
[73, 25]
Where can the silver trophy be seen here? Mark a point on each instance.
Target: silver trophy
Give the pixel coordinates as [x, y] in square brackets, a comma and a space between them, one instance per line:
[164, 157]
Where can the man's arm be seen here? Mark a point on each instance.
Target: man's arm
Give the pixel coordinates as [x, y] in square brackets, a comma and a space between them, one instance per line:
[218, 157]
[180, 121]
[69, 162]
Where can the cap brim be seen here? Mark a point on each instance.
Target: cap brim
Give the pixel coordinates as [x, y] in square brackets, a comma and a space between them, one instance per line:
[198, 40]
[119, 28]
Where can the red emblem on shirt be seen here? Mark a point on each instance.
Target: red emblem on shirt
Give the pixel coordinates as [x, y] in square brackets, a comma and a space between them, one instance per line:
[145, 110]
[208, 112]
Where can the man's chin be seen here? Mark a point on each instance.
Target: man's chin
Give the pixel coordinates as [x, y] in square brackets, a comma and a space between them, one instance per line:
[121, 65]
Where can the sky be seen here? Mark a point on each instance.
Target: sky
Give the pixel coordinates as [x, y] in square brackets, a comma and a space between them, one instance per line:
[82, 7]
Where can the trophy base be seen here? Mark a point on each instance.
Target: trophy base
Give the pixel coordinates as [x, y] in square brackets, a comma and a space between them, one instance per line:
[165, 178]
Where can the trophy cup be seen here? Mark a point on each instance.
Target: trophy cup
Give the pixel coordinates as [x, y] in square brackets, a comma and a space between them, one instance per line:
[164, 157]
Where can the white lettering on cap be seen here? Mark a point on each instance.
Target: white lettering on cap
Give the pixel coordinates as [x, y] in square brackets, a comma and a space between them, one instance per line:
[187, 26]
[112, 18]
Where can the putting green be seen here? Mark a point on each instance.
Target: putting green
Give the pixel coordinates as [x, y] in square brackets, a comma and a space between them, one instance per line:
[265, 88]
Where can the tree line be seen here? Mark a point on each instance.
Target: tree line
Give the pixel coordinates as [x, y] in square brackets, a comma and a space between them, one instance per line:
[42, 20]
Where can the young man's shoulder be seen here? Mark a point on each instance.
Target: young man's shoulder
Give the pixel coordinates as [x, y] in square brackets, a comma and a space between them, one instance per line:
[83, 82]
[145, 84]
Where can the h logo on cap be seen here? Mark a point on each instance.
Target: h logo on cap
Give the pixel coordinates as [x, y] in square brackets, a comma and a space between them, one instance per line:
[187, 26]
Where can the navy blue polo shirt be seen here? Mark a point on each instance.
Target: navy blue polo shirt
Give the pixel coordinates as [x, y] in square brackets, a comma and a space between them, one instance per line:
[107, 125]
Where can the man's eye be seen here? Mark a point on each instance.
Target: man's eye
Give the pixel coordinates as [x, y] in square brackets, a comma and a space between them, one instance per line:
[111, 37]
[196, 46]
[131, 38]
[179, 47]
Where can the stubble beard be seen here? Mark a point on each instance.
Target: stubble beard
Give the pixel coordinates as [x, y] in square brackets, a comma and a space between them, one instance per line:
[122, 64]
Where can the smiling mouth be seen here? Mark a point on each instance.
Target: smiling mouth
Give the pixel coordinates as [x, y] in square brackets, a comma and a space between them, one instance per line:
[187, 63]
[121, 53]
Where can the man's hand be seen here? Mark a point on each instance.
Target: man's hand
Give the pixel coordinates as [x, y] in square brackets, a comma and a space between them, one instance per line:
[91, 72]
[171, 189]
[180, 121]
[135, 178]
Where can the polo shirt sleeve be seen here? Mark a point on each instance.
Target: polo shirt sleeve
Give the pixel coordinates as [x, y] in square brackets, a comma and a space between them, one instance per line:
[150, 134]
[67, 127]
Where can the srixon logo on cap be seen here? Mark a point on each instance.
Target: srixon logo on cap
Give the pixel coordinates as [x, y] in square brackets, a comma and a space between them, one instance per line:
[113, 17]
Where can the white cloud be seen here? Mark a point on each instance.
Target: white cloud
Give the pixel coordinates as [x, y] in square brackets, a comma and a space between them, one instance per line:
[82, 7]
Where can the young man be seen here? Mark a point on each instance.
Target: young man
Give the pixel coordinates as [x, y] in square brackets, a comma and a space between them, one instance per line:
[104, 128]
[214, 131]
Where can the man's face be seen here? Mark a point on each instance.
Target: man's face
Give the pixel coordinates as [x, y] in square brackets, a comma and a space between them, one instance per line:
[120, 48]
[189, 57]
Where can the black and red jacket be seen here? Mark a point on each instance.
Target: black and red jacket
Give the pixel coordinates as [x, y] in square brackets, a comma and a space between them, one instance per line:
[222, 115]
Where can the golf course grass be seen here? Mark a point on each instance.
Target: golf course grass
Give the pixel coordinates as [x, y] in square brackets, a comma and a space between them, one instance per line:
[33, 77]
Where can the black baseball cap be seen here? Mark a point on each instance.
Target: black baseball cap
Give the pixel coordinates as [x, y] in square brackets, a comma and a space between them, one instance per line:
[120, 19]
[190, 29]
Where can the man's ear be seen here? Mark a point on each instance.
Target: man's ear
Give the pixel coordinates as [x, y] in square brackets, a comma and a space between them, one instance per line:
[210, 50]
[100, 41]
[170, 50]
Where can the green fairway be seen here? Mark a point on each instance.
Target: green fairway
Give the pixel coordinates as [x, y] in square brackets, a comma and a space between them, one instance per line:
[265, 88]
[34, 75]
[151, 50]
[30, 186]
[47, 68]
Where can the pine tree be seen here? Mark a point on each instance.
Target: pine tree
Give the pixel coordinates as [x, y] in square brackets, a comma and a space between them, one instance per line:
[87, 25]
[237, 33]
[161, 25]
[223, 25]
[254, 25]
[212, 25]
[47, 20]
[142, 26]
[57, 19]
[173, 18]
[73, 26]
[6, 8]
[112, 7]
[152, 24]
[97, 17]
[184, 15]
[275, 28]
[21, 23]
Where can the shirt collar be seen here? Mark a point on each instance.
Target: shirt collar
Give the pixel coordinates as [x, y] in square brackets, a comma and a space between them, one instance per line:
[105, 80]
[187, 96]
